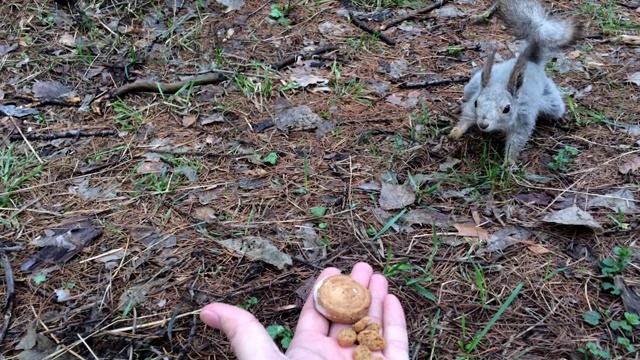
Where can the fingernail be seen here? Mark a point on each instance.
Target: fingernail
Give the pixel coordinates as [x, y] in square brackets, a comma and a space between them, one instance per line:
[210, 318]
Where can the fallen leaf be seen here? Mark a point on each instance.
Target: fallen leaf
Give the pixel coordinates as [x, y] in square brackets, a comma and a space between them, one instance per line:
[630, 298]
[297, 118]
[49, 89]
[5, 49]
[29, 340]
[84, 191]
[394, 99]
[371, 185]
[629, 128]
[425, 217]
[152, 238]
[152, 167]
[620, 200]
[257, 248]
[536, 198]
[67, 40]
[395, 196]
[62, 242]
[213, 118]
[15, 111]
[574, 216]
[634, 78]
[504, 238]
[312, 244]
[231, 4]
[449, 164]
[137, 294]
[630, 166]
[188, 120]
[536, 248]
[205, 213]
[472, 231]
[384, 218]
[305, 80]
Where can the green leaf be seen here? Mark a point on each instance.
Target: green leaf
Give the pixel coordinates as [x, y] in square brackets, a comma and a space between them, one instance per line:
[272, 158]
[615, 324]
[285, 342]
[318, 211]
[632, 318]
[276, 13]
[275, 331]
[322, 225]
[39, 279]
[592, 317]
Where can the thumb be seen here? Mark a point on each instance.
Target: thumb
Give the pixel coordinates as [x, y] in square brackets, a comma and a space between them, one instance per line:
[248, 338]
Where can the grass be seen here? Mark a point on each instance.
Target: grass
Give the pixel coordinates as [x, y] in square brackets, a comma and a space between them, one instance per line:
[607, 17]
[15, 172]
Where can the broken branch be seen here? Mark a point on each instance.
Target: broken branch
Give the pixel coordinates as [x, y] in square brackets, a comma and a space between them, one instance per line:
[400, 20]
[64, 134]
[434, 82]
[292, 59]
[369, 30]
[165, 88]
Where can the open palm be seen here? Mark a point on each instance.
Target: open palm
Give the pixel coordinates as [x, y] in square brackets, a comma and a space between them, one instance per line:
[315, 337]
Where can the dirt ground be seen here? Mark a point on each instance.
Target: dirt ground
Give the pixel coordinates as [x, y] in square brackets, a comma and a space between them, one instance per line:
[124, 213]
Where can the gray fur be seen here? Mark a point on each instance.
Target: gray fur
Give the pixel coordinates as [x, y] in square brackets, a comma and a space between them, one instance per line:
[518, 91]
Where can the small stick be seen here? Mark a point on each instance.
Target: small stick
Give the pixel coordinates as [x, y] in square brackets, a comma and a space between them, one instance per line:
[366, 28]
[11, 293]
[484, 17]
[165, 88]
[400, 20]
[292, 59]
[35, 102]
[64, 134]
[434, 82]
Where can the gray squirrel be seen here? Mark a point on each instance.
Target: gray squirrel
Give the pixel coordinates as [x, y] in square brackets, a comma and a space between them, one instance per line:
[510, 96]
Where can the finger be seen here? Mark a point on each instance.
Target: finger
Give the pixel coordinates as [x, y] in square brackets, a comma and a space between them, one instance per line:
[379, 287]
[245, 333]
[361, 273]
[310, 319]
[394, 327]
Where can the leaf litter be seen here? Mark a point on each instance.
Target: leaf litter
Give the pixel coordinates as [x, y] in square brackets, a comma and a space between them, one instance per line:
[257, 248]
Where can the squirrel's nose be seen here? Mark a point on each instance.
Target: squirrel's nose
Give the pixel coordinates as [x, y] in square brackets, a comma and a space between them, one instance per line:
[483, 125]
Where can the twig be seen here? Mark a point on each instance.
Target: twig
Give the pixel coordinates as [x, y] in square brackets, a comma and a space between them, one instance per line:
[11, 293]
[485, 16]
[165, 88]
[400, 20]
[366, 28]
[292, 59]
[64, 134]
[35, 102]
[434, 82]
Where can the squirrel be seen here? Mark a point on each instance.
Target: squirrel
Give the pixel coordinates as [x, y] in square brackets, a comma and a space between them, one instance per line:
[510, 96]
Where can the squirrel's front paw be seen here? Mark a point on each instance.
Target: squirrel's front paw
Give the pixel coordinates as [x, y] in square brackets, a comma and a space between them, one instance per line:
[456, 133]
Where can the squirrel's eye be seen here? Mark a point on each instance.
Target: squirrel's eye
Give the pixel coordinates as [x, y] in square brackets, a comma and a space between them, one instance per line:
[475, 103]
[506, 109]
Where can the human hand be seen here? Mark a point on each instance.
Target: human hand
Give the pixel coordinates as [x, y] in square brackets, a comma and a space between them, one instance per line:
[315, 337]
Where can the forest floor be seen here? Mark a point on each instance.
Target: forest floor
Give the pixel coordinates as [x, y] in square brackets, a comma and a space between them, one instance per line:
[124, 212]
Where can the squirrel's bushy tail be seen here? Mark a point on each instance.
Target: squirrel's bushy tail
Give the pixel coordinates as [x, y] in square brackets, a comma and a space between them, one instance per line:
[548, 35]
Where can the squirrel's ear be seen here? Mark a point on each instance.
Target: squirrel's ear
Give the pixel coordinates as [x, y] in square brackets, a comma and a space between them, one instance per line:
[516, 78]
[486, 70]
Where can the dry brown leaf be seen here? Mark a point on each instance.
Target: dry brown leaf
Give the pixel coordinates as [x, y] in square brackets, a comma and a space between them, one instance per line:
[189, 120]
[630, 166]
[536, 248]
[205, 213]
[471, 230]
[151, 167]
[476, 217]
[395, 196]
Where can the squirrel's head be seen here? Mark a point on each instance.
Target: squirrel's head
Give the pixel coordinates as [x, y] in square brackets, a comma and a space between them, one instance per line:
[496, 105]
